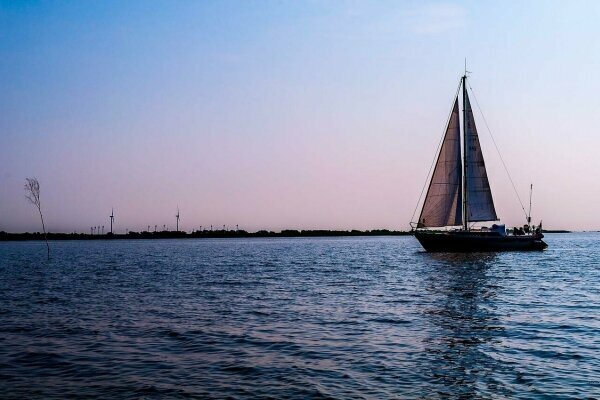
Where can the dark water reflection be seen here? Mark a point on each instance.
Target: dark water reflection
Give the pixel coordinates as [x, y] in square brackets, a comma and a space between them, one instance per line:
[298, 318]
[465, 321]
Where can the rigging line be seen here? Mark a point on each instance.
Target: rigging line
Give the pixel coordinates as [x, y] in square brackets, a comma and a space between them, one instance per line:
[435, 156]
[498, 151]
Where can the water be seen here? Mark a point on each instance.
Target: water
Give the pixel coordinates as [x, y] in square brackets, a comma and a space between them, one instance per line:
[298, 318]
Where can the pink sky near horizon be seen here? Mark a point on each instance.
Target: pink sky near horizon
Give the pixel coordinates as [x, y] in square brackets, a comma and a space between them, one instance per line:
[289, 116]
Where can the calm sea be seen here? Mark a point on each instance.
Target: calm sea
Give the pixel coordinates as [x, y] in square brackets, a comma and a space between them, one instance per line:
[372, 317]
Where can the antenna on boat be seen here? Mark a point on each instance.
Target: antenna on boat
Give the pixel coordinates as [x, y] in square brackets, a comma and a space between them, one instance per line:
[177, 216]
[112, 218]
[530, 194]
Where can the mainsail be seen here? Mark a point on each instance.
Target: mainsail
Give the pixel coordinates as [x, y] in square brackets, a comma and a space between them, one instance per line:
[443, 202]
[480, 205]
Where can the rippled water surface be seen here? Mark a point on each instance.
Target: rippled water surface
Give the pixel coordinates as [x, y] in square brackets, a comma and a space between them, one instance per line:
[371, 317]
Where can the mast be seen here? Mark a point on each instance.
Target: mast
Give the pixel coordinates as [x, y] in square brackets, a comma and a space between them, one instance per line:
[465, 200]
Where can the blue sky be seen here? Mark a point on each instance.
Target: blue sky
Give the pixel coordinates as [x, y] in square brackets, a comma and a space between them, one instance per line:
[288, 114]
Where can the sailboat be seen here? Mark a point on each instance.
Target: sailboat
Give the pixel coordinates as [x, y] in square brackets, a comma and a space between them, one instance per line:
[459, 196]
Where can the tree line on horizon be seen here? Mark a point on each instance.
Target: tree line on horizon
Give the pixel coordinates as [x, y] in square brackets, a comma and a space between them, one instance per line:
[6, 236]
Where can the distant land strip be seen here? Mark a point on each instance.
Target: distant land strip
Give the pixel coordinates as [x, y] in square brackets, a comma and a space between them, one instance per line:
[6, 236]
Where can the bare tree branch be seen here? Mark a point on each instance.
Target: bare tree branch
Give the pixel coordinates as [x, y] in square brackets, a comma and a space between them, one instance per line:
[32, 193]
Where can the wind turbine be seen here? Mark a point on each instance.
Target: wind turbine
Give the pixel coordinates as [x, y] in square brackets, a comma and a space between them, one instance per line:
[177, 216]
[112, 218]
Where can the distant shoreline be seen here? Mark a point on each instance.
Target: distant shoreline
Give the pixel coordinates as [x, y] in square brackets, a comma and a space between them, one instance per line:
[5, 236]
[215, 234]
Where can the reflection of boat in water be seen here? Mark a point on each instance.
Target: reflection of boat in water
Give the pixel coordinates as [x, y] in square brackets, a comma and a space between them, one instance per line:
[466, 325]
[459, 194]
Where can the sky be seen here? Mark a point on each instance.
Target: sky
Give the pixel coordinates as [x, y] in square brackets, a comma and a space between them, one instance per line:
[289, 114]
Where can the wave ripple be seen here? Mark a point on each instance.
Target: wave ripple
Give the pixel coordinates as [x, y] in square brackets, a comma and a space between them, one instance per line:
[322, 318]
